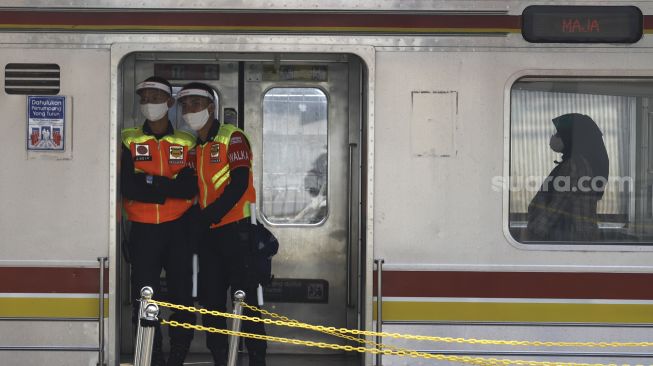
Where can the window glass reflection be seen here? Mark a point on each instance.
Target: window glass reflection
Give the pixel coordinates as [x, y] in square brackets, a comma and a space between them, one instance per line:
[295, 162]
[579, 161]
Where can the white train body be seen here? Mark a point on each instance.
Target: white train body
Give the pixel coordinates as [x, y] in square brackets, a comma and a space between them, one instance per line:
[404, 131]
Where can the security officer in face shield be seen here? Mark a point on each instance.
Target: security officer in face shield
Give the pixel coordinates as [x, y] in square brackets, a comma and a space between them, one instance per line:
[157, 189]
[225, 179]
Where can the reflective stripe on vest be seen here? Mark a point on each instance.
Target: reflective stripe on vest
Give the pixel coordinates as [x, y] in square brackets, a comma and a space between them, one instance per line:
[164, 157]
[214, 175]
[220, 177]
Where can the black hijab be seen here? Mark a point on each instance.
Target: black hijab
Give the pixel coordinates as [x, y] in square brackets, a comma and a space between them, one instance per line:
[583, 138]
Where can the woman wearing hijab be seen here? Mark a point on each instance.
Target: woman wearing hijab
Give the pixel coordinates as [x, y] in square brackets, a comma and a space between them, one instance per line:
[564, 209]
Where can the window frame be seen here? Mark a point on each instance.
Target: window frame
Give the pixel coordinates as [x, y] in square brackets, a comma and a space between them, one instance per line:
[558, 74]
[296, 85]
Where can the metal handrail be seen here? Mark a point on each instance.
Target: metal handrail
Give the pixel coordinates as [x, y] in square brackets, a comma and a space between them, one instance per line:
[379, 307]
[103, 264]
[350, 185]
[518, 324]
[50, 348]
[538, 353]
[36, 319]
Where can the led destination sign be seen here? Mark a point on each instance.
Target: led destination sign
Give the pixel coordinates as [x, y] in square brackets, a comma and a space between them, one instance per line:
[582, 24]
[188, 71]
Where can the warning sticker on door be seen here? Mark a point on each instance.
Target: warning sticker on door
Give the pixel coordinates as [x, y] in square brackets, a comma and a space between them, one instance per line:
[297, 290]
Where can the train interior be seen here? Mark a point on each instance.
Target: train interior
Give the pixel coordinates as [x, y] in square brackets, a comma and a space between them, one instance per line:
[303, 114]
[620, 107]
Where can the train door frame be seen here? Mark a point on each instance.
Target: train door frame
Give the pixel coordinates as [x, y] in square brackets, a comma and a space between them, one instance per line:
[333, 258]
[367, 56]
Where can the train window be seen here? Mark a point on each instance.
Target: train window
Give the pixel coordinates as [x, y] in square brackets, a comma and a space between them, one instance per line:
[581, 161]
[294, 156]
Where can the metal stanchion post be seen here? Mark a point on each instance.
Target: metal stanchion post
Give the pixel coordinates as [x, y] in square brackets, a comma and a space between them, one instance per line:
[379, 307]
[239, 297]
[146, 296]
[148, 324]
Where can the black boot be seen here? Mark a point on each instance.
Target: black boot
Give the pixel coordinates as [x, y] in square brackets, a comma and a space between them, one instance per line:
[177, 355]
[157, 357]
[219, 357]
[257, 358]
[157, 349]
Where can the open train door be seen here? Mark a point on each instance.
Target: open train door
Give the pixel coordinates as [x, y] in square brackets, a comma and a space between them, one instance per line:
[303, 114]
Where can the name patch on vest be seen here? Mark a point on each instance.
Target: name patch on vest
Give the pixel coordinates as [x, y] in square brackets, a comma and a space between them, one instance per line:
[142, 152]
[239, 155]
[176, 155]
[215, 153]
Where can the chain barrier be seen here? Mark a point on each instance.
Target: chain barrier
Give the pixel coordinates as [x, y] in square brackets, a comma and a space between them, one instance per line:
[388, 352]
[331, 333]
[319, 328]
[334, 333]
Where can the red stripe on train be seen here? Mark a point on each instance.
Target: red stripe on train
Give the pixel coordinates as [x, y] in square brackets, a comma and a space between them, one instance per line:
[528, 285]
[648, 22]
[51, 280]
[139, 18]
[256, 19]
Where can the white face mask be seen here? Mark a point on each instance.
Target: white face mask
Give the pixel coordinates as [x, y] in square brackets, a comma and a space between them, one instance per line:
[556, 144]
[154, 112]
[196, 120]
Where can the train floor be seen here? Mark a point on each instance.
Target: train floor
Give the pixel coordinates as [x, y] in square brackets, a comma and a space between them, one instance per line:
[277, 360]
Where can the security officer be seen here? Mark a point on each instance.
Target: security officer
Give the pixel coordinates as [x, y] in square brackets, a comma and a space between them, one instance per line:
[224, 164]
[158, 188]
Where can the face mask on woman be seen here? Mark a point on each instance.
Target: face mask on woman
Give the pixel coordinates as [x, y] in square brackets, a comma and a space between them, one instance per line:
[556, 144]
[154, 112]
[196, 120]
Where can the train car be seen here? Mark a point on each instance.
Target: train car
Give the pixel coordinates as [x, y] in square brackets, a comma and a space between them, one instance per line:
[401, 150]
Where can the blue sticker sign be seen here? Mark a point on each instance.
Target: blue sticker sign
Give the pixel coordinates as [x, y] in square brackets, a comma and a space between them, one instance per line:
[46, 116]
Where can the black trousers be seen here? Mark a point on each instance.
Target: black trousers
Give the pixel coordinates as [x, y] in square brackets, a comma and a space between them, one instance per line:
[165, 245]
[225, 264]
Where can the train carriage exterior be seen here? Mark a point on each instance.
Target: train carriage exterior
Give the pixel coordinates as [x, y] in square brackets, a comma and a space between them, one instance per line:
[412, 132]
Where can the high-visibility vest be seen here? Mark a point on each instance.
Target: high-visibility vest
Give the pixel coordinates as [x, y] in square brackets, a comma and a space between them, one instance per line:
[213, 175]
[164, 157]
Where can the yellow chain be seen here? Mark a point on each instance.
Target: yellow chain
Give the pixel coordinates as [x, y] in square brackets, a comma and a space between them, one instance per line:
[335, 334]
[388, 352]
[320, 328]
[465, 359]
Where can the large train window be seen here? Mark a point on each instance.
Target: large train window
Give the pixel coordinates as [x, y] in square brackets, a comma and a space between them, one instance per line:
[581, 161]
[295, 160]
